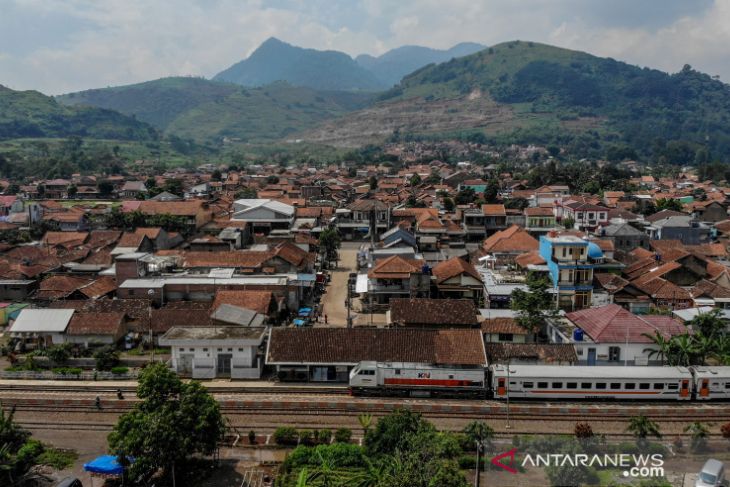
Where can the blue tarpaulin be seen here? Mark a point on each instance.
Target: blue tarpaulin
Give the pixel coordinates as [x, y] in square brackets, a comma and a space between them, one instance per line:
[105, 464]
[298, 322]
[305, 311]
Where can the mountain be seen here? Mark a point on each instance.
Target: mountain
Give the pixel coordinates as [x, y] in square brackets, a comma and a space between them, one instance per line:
[392, 66]
[26, 114]
[526, 92]
[275, 60]
[201, 109]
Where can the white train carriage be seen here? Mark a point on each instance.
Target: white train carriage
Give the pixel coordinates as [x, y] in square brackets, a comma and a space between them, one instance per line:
[591, 382]
[711, 383]
[415, 379]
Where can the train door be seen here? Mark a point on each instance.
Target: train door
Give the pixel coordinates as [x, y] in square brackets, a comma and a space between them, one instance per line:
[684, 389]
[501, 387]
[704, 389]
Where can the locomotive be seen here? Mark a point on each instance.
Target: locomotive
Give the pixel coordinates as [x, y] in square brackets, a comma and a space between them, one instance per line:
[562, 382]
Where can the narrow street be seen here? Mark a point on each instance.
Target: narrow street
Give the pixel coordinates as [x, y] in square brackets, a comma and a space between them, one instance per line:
[333, 301]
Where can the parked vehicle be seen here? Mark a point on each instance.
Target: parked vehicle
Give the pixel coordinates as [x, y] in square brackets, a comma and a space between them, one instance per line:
[69, 482]
[712, 474]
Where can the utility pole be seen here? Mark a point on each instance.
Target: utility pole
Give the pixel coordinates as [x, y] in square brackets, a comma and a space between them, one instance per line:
[508, 363]
[477, 479]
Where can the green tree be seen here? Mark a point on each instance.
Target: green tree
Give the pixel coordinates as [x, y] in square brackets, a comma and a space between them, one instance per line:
[106, 357]
[465, 196]
[642, 427]
[216, 175]
[568, 223]
[449, 204]
[272, 179]
[682, 351]
[668, 204]
[709, 324]
[479, 432]
[366, 421]
[246, 193]
[72, 190]
[491, 192]
[329, 243]
[699, 433]
[661, 346]
[173, 422]
[373, 183]
[535, 305]
[415, 180]
[59, 354]
[105, 188]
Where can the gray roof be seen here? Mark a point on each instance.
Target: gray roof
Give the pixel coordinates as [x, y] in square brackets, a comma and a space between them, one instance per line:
[621, 229]
[232, 335]
[42, 321]
[236, 315]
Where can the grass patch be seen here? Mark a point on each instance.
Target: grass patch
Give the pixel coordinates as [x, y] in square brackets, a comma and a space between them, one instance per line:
[138, 351]
[57, 458]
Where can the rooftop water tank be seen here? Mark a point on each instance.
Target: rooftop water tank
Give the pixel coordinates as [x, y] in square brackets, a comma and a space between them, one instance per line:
[577, 335]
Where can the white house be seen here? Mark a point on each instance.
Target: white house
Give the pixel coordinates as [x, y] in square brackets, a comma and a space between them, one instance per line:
[264, 215]
[207, 352]
[43, 326]
[612, 335]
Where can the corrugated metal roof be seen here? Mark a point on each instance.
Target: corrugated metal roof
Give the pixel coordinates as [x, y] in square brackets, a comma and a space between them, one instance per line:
[42, 321]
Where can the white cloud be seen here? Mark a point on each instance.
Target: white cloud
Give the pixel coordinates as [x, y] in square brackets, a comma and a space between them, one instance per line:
[115, 42]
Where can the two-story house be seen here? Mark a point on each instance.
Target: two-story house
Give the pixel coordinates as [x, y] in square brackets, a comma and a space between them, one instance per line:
[570, 262]
[362, 217]
[539, 220]
[397, 277]
[264, 215]
[586, 217]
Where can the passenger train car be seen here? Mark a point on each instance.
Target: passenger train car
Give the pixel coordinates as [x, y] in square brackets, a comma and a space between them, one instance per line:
[568, 382]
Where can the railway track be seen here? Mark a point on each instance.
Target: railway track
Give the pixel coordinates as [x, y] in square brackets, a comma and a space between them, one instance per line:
[218, 388]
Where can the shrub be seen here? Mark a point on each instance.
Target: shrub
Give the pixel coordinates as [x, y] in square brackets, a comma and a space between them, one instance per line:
[343, 435]
[106, 358]
[467, 462]
[583, 430]
[306, 437]
[119, 370]
[324, 436]
[252, 437]
[59, 354]
[58, 459]
[67, 371]
[286, 435]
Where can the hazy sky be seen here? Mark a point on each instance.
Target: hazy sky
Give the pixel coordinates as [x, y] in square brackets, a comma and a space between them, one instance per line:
[57, 46]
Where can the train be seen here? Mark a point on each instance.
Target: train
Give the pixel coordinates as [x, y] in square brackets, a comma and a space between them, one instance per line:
[553, 382]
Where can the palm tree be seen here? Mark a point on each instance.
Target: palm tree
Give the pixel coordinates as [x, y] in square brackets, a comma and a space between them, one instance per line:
[705, 346]
[682, 350]
[479, 432]
[661, 346]
[366, 421]
[374, 473]
[699, 432]
[642, 427]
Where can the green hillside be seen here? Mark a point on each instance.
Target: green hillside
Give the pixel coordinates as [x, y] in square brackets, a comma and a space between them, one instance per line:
[552, 90]
[199, 109]
[275, 60]
[32, 114]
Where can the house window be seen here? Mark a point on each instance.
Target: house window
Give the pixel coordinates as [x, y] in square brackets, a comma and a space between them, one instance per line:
[506, 337]
[614, 354]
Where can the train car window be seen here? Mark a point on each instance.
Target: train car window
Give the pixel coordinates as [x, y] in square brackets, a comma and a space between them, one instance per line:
[629, 385]
[727, 385]
[586, 385]
[513, 383]
[615, 385]
[673, 386]
[571, 385]
[397, 371]
[557, 385]
[644, 385]
[451, 376]
[542, 385]
[527, 385]
[600, 385]
[658, 386]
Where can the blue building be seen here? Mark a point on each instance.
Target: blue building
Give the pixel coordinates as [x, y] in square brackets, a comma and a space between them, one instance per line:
[570, 262]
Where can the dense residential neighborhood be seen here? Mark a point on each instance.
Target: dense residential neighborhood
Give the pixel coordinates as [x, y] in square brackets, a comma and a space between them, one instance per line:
[217, 278]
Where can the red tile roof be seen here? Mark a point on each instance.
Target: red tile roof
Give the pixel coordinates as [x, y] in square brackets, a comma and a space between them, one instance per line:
[452, 268]
[433, 312]
[612, 323]
[515, 239]
[90, 323]
[395, 267]
[259, 301]
[352, 345]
